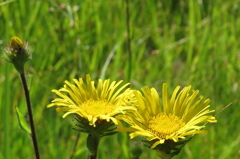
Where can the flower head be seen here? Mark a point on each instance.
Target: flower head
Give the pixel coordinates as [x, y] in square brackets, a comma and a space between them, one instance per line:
[92, 105]
[17, 52]
[166, 125]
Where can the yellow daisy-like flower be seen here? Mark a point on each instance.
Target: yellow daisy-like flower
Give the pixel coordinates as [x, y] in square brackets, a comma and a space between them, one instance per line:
[90, 103]
[173, 120]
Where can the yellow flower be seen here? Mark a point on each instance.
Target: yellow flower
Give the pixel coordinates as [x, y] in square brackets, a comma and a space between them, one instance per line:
[92, 104]
[170, 120]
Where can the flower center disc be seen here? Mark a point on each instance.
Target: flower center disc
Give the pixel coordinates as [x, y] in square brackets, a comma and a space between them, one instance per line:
[100, 107]
[163, 125]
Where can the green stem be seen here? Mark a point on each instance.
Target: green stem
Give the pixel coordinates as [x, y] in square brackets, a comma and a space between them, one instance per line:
[29, 107]
[75, 145]
[92, 144]
[163, 155]
[128, 41]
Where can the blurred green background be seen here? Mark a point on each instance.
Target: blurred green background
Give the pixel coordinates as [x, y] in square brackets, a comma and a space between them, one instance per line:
[180, 42]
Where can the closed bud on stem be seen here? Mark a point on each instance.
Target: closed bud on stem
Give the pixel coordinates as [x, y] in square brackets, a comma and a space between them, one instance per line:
[17, 52]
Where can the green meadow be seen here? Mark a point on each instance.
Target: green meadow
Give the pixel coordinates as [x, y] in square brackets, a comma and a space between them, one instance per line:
[179, 42]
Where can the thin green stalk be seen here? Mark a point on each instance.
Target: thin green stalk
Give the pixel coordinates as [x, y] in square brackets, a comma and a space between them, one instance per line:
[75, 146]
[124, 138]
[128, 42]
[192, 24]
[29, 107]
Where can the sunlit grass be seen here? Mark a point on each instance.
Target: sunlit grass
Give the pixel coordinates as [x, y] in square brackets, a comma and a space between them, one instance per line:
[178, 42]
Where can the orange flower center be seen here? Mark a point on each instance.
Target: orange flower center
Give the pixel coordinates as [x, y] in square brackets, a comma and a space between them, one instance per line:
[163, 125]
[97, 107]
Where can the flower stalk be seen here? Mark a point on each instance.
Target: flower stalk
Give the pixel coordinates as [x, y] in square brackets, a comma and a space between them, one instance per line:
[163, 155]
[92, 144]
[31, 121]
[18, 53]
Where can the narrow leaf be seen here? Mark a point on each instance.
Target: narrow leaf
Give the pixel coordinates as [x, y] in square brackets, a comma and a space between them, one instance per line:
[3, 3]
[23, 124]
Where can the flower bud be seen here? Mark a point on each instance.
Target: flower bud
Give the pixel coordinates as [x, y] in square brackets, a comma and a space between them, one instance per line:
[17, 52]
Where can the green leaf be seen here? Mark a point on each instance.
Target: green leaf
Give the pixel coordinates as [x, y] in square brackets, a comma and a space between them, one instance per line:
[23, 124]
[3, 3]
